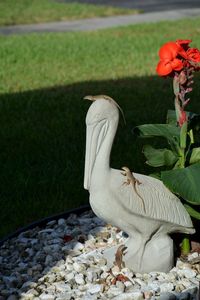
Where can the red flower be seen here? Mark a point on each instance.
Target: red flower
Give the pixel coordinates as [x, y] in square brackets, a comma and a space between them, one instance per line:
[166, 67]
[169, 51]
[193, 54]
[183, 43]
[171, 55]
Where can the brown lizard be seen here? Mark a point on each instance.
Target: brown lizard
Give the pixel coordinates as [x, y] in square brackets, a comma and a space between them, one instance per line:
[118, 257]
[130, 179]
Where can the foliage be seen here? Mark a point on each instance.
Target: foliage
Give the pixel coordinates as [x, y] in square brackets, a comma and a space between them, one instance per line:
[181, 159]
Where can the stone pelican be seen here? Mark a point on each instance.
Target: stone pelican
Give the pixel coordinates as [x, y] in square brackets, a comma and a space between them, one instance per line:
[149, 247]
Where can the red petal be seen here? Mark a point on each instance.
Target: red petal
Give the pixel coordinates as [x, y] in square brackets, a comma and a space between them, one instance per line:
[177, 64]
[164, 68]
[183, 42]
[169, 51]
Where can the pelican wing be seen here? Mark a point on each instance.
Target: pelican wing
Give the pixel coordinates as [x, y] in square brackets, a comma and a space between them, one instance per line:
[160, 203]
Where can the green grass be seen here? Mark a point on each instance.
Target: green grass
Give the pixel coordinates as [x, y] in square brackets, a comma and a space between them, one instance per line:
[43, 79]
[14, 12]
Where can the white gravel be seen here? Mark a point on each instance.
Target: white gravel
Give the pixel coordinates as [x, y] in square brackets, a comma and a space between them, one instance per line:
[64, 261]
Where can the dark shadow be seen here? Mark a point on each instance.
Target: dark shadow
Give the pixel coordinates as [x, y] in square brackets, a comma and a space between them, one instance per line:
[42, 136]
[145, 5]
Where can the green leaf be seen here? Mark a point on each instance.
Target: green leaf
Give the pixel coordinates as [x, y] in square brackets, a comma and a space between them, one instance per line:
[159, 157]
[195, 156]
[167, 131]
[171, 117]
[155, 175]
[184, 182]
[192, 212]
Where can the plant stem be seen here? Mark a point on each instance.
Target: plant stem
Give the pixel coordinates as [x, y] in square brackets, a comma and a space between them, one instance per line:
[185, 246]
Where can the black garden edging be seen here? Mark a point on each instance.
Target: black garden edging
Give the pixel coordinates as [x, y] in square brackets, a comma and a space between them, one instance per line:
[42, 222]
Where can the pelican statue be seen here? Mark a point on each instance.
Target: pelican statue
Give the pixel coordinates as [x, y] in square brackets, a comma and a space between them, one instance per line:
[139, 205]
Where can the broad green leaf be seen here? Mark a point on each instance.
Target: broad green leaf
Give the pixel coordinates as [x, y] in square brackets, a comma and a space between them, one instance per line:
[155, 175]
[167, 131]
[159, 157]
[171, 117]
[184, 182]
[192, 212]
[195, 156]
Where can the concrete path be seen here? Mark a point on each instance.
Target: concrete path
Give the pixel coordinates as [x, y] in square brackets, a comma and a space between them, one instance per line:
[100, 23]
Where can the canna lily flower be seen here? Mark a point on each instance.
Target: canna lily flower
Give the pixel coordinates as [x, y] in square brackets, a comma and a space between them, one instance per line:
[171, 55]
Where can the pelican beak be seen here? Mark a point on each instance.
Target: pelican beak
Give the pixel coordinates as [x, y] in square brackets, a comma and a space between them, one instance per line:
[94, 137]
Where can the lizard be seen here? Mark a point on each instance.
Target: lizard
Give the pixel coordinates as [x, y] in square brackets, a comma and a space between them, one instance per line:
[118, 257]
[130, 179]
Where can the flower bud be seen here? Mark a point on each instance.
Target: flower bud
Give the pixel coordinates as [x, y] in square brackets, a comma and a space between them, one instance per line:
[182, 78]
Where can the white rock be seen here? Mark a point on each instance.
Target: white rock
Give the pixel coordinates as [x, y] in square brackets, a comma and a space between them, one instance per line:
[188, 273]
[94, 288]
[140, 282]
[114, 291]
[69, 276]
[79, 279]
[185, 282]
[120, 285]
[65, 296]
[69, 267]
[130, 296]
[51, 223]
[74, 253]
[91, 276]
[153, 286]
[127, 272]
[30, 294]
[61, 222]
[193, 255]
[29, 284]
[166, 287]
[78, 246]
[62, 287]
[47, 297]
[48, 230]
[78, 267]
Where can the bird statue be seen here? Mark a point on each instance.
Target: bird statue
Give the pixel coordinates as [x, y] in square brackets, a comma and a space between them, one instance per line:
[139, 205]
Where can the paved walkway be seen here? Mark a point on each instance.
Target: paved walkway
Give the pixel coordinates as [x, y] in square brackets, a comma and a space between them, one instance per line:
[100, 23]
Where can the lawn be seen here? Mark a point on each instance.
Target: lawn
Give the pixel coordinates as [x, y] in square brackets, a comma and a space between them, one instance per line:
[39, 11]
[43, 79]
